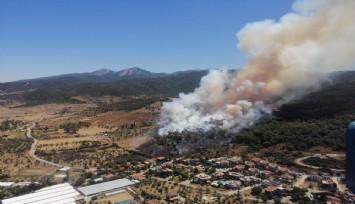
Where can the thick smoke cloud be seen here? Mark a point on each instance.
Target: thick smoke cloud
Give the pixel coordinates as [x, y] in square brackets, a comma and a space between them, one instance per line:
[285, 56]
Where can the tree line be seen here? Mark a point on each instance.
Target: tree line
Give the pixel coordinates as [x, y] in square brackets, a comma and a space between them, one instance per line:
[71, 127]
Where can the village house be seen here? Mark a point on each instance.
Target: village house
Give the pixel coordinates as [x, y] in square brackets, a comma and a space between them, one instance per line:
[138, 176]
[233, 184]
[314, 177]
[110, 177]
[180, 166]
[235, 160]
[203, 178]
[273, 166]
[222, 163]
[271, 189]
[333, 200]
[256, 160]
[235, 175]
[327, 184]
[195, 162]
[139, 167]
[287, 178]
[179, 160]
[239, 168]
[326, 176]
[192, 162]
[249, 164]
[267, 173]
[264, 163]
[266, 183]
[282, 169]
[169, 164]
[294, 173]
[215, 184]
[215, 160]
[172, 196]
[218, 175]
[253, 170]
[246, 180]
[161, 159]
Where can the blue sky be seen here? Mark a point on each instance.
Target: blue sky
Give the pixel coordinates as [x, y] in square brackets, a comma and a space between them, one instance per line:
[43, 38]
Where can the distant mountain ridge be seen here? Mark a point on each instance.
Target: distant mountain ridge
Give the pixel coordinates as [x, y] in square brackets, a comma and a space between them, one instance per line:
[102, 75]
[102, 72]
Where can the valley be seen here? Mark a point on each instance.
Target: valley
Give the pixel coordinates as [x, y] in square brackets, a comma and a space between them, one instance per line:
[99, 138]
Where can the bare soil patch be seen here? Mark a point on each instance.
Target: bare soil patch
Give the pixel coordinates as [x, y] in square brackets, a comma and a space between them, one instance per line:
[115, 198]
[36, 171]
[36, 113]
[133, 143]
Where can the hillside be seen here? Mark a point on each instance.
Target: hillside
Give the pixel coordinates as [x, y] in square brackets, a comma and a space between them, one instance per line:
[318, 120]
[98, 76]
[161, 86]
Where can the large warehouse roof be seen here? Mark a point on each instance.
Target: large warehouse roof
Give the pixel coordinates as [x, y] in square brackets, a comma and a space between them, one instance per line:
[105, 187]
[57, 194]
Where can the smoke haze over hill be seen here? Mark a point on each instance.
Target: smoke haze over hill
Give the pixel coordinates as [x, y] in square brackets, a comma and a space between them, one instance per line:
[285, 57]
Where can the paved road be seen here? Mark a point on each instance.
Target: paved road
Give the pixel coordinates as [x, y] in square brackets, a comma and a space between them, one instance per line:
[33, 148]
[299, 161]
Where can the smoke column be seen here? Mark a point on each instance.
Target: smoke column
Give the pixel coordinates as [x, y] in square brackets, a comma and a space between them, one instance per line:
[290, 54]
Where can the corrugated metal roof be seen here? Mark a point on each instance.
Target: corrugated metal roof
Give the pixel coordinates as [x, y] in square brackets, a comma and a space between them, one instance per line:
[61, 193]
[105, 187]
[6, 184]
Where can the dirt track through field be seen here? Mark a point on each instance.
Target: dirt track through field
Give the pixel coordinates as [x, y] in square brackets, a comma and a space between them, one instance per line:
[33, 148]
[300, 162]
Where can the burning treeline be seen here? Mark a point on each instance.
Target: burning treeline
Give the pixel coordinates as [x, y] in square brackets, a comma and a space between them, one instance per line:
[285, 58]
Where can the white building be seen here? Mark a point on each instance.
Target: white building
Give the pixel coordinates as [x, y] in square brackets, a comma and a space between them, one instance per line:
[106, 187]
[57, 194]
[6, 184]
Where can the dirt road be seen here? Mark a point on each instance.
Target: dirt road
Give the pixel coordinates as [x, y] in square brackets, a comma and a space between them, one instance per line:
[299, 161]
[33, 148]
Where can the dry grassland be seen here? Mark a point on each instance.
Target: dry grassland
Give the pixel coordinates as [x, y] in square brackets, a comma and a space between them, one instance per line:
[36, 171]
[95, 148]
[115, 198]
[133, 143]
[36, 113]
[13, 134]
[22, 165]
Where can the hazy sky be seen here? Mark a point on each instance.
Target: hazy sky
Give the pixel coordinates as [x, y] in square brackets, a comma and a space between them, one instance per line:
[43, 38]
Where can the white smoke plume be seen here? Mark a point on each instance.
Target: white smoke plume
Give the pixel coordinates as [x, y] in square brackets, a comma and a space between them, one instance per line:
[317, 37]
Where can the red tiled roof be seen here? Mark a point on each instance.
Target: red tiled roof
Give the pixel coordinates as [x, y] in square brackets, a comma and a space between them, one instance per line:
[270, 188]
[138, 176]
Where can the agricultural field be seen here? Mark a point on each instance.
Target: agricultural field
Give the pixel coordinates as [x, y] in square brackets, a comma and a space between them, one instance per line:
[71, 143]
[99, 138]
[16, 162]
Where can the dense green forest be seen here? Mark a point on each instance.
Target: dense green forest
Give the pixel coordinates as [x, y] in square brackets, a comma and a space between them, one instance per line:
[319, 119]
